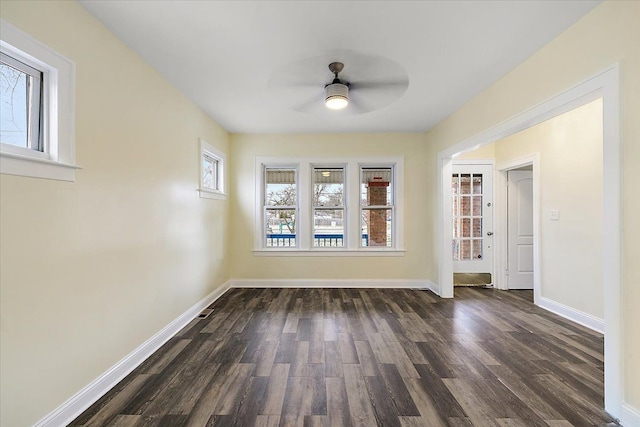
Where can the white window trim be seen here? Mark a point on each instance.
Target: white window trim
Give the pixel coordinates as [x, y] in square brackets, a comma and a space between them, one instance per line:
[211, 151]
[393, 207]
[352, 182]
[300, 198]
[58, 102]
[344, 207]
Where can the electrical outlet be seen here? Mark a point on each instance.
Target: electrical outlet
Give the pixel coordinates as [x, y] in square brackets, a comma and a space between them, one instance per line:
[554, 215]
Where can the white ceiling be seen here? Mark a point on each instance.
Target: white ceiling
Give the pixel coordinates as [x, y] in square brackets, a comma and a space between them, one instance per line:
[253, 65]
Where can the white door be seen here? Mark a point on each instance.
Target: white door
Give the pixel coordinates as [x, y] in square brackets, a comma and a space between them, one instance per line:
[520, 229]
[472, 191]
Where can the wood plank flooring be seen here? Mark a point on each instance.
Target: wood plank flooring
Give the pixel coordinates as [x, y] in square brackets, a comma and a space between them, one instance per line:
[366, 357]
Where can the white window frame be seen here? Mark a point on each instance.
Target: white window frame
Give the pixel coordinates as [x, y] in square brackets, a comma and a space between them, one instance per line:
[33, 86]
[209, 151]
[57, 160]
[264, 207]
[392, 207]
[304, 223]
[343, 207]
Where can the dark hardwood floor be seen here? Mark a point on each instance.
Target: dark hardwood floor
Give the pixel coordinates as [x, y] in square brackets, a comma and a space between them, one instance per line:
[366, 357]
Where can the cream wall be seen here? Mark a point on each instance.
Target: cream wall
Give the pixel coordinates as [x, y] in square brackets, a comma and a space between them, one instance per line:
[415, 264]
[92, 269]
[607, 35]
[570, 148]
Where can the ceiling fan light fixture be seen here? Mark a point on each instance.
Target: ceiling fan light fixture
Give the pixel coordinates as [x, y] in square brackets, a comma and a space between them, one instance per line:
[336, 96]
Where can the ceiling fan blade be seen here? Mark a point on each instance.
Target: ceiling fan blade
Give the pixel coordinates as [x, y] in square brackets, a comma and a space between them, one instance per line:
[313, 105]
[399, 84]
[284, 82]
[376, 97]
[305, 73]
[359, 104]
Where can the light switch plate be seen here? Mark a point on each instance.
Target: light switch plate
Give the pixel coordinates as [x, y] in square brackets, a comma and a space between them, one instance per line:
[554, 215]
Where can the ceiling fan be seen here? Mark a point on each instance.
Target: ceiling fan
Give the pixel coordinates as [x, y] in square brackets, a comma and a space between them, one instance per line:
[336, 92]
[360, 84]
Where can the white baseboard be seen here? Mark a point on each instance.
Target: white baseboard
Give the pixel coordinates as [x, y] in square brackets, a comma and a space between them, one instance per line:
[78, 403]
[570, 313]
[334, 283]
[630, 416]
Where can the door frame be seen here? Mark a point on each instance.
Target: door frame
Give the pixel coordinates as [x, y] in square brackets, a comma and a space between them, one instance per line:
[501, 214]
[605, 85]
[482, 162]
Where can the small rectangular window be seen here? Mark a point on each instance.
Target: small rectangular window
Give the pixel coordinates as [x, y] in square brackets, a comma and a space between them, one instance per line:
[377, 206]
[328, 207]
[37, 108]
[211, 172]
[20, 104]
[280, 206]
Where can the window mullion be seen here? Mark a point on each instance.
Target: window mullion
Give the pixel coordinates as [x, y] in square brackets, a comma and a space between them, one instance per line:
[352, 205]
[305, 210]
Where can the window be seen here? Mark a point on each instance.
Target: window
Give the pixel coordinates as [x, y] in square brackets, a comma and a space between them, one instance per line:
[211, 172]
[377, 206]
[329, 206]
[20, 106]
[280, 206]
[36, 108]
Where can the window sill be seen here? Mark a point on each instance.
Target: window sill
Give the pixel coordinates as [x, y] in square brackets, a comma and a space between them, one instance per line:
[329, 252]
[211, 194]
[36, 167]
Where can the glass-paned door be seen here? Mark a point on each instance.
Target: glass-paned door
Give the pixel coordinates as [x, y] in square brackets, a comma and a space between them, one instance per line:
[472, 201]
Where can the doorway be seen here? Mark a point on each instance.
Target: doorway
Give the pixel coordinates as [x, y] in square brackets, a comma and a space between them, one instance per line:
[603, 85]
